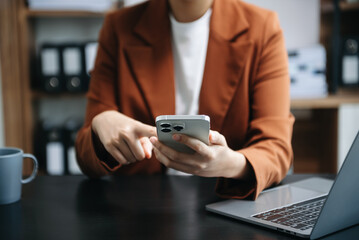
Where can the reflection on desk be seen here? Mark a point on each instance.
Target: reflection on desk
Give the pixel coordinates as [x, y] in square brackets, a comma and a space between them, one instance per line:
[140, 207]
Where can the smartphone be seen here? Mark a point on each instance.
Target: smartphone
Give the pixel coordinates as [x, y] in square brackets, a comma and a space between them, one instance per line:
[196, 126]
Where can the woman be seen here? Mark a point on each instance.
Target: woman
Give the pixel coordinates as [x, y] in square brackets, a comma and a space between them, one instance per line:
[222, 58]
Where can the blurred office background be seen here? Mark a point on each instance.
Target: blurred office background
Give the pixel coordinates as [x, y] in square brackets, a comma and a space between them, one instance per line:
[47, 48]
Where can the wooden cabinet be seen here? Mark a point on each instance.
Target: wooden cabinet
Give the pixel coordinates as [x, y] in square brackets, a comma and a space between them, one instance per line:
[314, 137]
[17, 51]
[315, 133]
[14, 49]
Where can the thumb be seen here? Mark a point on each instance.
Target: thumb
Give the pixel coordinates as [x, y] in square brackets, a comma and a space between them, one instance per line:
[215, 138]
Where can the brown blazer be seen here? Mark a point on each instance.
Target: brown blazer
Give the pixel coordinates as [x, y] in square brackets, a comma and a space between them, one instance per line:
[245, 88]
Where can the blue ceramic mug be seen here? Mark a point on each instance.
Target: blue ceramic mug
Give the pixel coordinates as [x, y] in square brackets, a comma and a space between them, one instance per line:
[11, 161]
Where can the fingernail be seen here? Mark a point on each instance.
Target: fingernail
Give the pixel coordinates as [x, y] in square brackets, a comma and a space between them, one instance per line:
[176, 137]
[153, 140]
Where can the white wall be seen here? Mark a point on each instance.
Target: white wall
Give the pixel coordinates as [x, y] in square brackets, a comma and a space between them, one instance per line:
[2, 137]
[299, 19]
[348, 127]
[57, 30]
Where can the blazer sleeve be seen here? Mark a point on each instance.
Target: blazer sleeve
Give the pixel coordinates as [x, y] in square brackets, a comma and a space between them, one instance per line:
[268, 146]
[92, 157]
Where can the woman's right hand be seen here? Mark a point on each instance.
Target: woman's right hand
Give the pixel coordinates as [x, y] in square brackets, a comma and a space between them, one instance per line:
[126, 139]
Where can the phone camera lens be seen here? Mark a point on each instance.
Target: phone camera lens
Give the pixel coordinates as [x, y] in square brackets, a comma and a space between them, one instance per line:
[165, 125]
[178, 128]
[166, 130]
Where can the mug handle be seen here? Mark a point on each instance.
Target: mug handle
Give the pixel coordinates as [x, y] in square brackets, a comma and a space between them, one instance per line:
[34, 170]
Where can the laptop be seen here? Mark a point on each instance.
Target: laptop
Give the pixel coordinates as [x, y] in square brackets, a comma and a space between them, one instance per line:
[310, 208]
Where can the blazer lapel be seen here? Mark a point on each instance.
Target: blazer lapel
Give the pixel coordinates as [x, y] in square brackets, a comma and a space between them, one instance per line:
[228, 49]
[152, 62]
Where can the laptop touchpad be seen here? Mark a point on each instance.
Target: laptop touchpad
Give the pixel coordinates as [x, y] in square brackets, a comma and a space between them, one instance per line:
[269, 199]
[283, 196]
[274, 198]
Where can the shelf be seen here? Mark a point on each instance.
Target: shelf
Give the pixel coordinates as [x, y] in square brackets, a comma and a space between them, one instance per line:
[63, 14]
[343, 96]
[328, 7]
[36, 94]
[332, 101]
[349, 6]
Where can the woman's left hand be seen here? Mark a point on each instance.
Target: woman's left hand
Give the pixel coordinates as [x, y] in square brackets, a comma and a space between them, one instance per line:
[213, 160]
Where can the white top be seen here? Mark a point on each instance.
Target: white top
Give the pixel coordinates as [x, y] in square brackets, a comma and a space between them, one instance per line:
[189, 46]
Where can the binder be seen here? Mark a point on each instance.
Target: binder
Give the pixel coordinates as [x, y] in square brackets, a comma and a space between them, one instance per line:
[40, 140]
[73, 62]
[71, 126]
[350, 62]
[53, 149]
[51, 68]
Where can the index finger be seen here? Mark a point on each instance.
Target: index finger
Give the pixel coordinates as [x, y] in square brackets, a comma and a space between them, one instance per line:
[145, 130]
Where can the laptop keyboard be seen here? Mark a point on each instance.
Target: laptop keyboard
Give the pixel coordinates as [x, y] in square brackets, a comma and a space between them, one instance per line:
[299, 216]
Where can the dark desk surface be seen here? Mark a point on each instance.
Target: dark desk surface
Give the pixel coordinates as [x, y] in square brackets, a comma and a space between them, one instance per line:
[141, 207]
